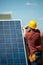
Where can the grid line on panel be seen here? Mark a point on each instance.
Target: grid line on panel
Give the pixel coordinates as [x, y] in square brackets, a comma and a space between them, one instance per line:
[5, 44]
[0, 50]
[11, 43]
[0, 61]
[17, 46]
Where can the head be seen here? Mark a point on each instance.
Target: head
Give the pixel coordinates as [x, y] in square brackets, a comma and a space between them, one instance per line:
[32, 24]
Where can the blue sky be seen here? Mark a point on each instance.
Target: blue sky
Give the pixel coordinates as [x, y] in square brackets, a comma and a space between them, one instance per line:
[25, 10]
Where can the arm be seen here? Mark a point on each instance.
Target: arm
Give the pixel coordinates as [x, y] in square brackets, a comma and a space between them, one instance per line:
[39, 48]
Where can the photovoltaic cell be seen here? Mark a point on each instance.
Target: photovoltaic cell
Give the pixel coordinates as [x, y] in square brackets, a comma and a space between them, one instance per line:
[11, 43]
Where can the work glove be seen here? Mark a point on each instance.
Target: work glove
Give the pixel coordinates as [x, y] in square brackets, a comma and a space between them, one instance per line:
[23, 31]
[32, 58]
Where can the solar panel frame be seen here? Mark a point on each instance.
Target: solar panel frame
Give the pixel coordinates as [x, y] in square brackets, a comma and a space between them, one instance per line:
[22, 37]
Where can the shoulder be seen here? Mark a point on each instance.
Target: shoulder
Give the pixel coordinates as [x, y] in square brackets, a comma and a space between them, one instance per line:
[37, 31]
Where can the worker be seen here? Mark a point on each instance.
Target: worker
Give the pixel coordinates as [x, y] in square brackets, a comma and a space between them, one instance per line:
[33, 39]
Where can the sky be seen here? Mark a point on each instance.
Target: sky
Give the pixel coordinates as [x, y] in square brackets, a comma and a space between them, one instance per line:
[25, 10]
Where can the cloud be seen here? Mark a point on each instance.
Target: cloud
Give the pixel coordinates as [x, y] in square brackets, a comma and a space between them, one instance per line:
[31, 4]
[41, 18]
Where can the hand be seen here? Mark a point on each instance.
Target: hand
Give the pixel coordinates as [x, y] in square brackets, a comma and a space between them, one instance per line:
[23, 31]
[32, 58]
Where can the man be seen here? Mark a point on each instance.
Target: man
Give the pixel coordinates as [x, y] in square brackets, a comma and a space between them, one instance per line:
[33, 39]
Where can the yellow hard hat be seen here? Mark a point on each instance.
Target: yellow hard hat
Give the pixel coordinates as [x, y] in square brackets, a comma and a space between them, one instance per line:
[32, 24]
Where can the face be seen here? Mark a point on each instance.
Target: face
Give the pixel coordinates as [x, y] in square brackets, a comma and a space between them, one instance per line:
[27, 29]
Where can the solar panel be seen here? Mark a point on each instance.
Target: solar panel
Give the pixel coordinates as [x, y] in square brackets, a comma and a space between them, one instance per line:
[12, 51]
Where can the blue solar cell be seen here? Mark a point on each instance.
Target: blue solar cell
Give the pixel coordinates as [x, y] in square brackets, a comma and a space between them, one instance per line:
[6, 27]
[11, 43]
[1, 31]
[6, 23]
[1, 23]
